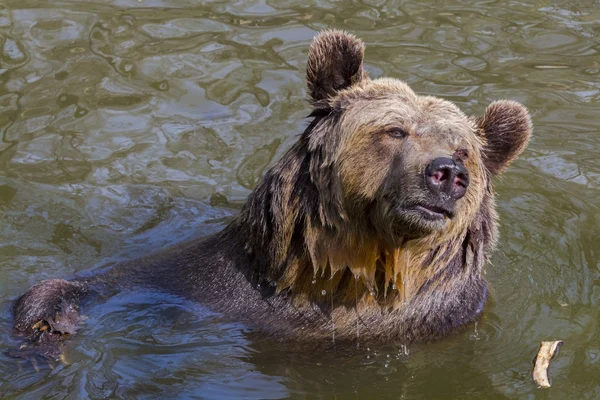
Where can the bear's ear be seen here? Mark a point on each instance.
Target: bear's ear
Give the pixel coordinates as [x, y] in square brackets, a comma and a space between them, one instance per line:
[334, 63]
[506, 126]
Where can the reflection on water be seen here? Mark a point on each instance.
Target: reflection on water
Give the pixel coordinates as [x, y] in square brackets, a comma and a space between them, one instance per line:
[128, 125]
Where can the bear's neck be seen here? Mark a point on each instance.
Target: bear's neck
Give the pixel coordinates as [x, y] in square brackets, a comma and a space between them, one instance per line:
[292, 245]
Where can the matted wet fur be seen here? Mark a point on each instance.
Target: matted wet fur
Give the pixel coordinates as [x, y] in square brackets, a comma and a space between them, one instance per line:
[349, 235]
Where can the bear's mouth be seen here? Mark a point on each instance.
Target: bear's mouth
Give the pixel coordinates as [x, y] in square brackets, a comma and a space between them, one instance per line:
[432, 212]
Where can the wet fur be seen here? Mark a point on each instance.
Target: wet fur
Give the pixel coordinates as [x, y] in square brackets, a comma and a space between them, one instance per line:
[312, 254]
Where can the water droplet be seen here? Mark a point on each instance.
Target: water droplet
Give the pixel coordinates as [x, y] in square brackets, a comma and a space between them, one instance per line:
[394, 286]
[314, 281]
[368, 356]
[258, 286]
[323, 292]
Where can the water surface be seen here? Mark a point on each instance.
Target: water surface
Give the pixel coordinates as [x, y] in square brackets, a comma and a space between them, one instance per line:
[130, 125]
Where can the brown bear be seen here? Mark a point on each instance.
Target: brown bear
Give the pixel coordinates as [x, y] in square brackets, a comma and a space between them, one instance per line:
[375, 225]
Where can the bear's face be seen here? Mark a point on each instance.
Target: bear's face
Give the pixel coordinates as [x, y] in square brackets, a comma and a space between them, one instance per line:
[405, 164]
[412, 163]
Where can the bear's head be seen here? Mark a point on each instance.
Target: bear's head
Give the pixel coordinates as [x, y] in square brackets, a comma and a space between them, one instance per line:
[405, 165]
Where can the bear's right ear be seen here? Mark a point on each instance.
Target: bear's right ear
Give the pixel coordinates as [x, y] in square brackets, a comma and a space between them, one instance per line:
[334, 63]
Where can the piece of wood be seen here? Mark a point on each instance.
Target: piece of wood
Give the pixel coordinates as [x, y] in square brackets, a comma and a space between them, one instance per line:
[541, 362]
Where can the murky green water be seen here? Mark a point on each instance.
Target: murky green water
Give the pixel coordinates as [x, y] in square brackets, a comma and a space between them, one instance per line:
[129, 125]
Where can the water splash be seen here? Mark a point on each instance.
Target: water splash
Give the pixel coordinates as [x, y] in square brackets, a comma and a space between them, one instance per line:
[477, 334]
[404, 352]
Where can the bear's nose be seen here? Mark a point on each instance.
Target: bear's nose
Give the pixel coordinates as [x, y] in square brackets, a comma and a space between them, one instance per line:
[444, 176]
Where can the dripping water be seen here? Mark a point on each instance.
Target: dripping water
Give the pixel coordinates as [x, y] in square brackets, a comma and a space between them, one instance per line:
[332, 322]
[404, 280]
[356, 308]
[475, 335]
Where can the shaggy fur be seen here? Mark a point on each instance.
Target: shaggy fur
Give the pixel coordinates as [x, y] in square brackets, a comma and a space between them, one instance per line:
[331, 243]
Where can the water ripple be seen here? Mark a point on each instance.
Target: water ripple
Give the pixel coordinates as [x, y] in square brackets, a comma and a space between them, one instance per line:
[135, 124]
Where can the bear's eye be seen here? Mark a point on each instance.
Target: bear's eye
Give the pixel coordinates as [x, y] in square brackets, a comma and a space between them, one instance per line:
[397, 133]
[460, 155]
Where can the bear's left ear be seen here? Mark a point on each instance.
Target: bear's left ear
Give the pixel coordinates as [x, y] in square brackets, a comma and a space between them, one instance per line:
[335, 61]
[506, 126]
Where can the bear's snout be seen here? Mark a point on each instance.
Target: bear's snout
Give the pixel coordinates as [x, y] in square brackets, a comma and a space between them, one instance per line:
[447, 178]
